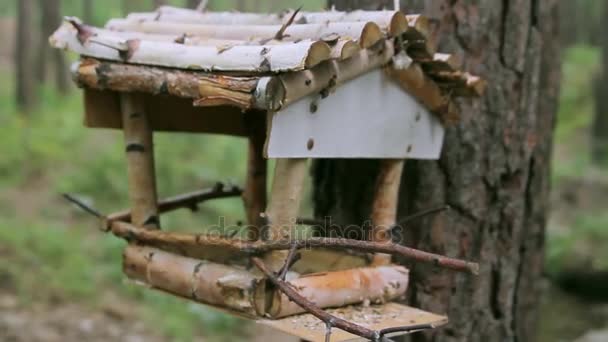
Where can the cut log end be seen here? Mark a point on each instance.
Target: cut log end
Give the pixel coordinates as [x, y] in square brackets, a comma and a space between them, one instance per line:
[370, 35]
[318, 52]
[399, 24]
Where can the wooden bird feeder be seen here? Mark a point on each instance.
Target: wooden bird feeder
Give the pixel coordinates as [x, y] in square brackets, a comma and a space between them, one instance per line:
[299, 86]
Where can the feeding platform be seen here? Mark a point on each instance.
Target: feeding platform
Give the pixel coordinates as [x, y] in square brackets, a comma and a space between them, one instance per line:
[299, 86]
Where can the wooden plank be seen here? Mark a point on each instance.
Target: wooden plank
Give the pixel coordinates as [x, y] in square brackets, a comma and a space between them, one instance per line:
[370, 117]
[167, 114]
[377, 317]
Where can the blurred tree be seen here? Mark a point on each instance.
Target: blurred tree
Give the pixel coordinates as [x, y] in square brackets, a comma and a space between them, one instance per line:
[599, 143]
[25, 83]
[88, 14]
[192, 3]
[129, 6]
[158, 3]
[51, 19]
[494, 171]
[582, 21]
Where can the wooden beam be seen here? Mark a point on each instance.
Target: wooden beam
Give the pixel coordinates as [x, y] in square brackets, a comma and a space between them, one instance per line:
[254, 196]
[284, 204]
[140, 162]
[384, 207]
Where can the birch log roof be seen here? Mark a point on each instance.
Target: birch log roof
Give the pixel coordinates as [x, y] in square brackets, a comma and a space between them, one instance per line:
[263, 61]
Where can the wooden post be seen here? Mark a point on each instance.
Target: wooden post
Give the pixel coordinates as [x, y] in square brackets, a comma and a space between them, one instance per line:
[254, 195]
[384, 207]
[284, 204]
[140, 162]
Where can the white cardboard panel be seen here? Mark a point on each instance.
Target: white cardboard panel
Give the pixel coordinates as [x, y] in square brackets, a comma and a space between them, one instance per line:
[370, 117]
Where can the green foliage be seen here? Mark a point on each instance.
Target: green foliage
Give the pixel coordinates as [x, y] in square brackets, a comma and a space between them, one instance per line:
[581, 64]
[583, 244]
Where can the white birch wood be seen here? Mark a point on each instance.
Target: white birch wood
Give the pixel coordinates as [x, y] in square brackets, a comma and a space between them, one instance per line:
[291, 57]
[367, 33]
[342, 288]
[369, 117]
[394, 22]
[341, 49]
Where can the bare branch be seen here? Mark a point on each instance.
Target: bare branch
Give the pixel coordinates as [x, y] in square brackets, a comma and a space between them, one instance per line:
[422, 214]
[281, 34]
[87, 208]
[292, 258]
[190, 201]
[202, 6]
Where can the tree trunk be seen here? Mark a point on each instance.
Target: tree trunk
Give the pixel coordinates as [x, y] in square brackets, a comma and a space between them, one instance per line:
[51, 19]
[192, 3]
[25, 92]
[88, 12]
[494, 172]
[158, 3]
[599, 143]
[129, 6]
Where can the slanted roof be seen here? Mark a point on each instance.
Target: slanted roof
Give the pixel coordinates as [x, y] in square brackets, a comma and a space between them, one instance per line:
[263, 61]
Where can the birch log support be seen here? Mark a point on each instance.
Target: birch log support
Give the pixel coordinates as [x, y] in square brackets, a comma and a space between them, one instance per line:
[337, 289]
[140, 162]
[284, 205]
[198, 242]
[385, 204]
[254, 195]
[366, 33]
[202, 281]
[286, 57]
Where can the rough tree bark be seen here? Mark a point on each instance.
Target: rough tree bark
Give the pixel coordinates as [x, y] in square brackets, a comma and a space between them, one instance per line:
[50, 20]
[600, 125]
[25, 83]
[494, 171]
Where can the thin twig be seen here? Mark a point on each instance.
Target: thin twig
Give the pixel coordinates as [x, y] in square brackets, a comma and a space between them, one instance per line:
[281, 34]
[407, 329]
[289, 261]
[422, 214]
[328, 327]
[190, 201]
[202, 6]
[87, 208]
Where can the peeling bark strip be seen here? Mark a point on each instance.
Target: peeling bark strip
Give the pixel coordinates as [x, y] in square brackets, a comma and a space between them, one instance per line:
[140, 165]
[201, 281]
[337, 289]
[187, 242]
[291, 57]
